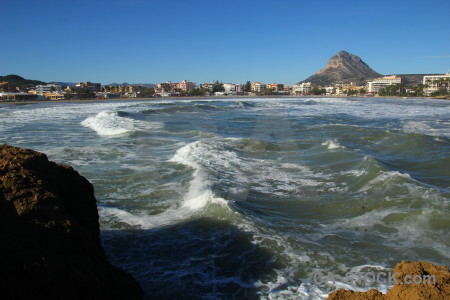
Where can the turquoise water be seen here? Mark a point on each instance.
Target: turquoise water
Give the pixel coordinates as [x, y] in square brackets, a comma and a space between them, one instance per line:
[246, 198]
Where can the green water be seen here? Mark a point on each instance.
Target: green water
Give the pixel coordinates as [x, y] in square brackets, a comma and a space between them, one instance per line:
[244, 199]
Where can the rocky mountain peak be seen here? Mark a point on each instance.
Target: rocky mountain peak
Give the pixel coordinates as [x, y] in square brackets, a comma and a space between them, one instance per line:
[345, 67]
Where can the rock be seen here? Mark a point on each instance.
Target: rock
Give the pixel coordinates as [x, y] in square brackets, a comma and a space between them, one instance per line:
[406, 288]
[50, 234]
[343, 67]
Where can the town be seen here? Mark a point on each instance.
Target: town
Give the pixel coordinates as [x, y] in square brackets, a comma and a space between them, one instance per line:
[393, 85]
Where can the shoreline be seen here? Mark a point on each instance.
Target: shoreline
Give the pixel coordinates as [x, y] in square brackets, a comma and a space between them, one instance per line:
[25, 102]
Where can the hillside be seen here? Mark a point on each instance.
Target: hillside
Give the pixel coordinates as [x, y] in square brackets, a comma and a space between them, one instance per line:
[16, 80]
[344, 67]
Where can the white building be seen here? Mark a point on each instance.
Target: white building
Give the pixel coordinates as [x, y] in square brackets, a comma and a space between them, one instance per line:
[378, 83]
[48, 88]
[302, 88]
[231, 88]
[435, 82]
[330, 90]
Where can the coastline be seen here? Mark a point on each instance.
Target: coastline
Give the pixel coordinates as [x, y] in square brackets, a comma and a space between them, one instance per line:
[206, 98]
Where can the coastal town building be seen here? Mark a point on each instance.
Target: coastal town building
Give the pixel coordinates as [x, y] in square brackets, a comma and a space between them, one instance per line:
[347, 89]
[186, 85]
[232, 89]
[435, 82]
[165, 87]
[168, 86]
[276, 87]
[208, 87]
[287, 89]
[330, 90]
[54, 96]
[92, 87]
[302, 88]
[48, 88]
[377, 84]
[17, 97]
[259, 87]
[120, 89]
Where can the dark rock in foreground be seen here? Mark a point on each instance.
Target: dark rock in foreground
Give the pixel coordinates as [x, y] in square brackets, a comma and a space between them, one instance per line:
[49, 232]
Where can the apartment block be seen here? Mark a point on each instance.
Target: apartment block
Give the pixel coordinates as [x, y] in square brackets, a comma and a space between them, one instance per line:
[436, 82]
[93, 87]
[302, 88]
[259, 87]
[378, 83]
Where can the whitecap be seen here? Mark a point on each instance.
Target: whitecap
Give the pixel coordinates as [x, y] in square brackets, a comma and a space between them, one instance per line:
[109, 123]
[332, 144]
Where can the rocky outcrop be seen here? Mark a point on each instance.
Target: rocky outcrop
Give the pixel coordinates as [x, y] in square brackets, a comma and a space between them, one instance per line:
[413, 282]
[49, 231]
[343, 67]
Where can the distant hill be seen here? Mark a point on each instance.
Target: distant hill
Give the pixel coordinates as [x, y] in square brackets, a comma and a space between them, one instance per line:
[118, 84]
[63, 84]
[344, 67]
[18, 81]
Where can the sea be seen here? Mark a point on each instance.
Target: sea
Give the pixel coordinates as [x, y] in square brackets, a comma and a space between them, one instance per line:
[255, 198]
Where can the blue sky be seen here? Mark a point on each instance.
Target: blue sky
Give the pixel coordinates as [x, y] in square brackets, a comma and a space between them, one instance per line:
[283, 41]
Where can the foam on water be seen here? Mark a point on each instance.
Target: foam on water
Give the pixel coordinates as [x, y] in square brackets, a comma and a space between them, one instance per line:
[385, 178]
[295, 194]
[428, 127]
[109, 123]
[199, 192]
[197, 197]
[332, 144]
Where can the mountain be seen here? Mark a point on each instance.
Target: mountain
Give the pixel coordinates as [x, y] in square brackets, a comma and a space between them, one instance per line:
[62, 83]
[16, 80]
[344, 67]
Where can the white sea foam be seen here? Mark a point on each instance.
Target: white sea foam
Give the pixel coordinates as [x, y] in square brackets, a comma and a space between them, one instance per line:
[428, 127]
[198, 196]
[332, 144]
[367, 220]
[199, 192]
[385, 178]
[109, 123]
[355, 173]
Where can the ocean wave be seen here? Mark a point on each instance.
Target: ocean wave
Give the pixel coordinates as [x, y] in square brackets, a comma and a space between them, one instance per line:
[111, 123]
[182, 108]
[429, 127]
[243, 104]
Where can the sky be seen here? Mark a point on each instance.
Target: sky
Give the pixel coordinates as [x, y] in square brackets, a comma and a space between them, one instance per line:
[271, 41]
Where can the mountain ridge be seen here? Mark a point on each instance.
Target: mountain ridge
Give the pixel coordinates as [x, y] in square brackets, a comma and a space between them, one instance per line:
[19, 81]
